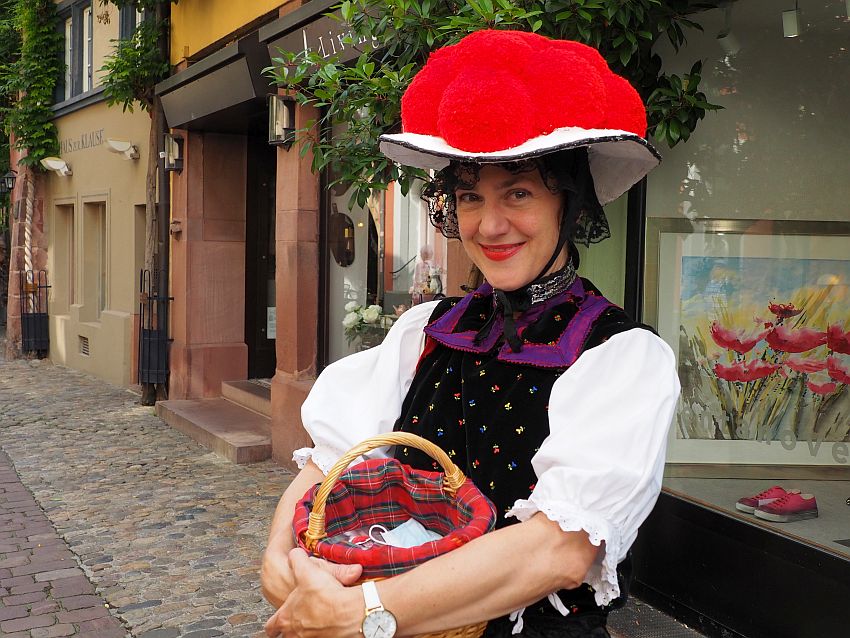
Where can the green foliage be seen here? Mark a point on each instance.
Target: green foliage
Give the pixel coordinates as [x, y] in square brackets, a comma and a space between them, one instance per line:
[10, 51]
[134, 68]
[31, 78]
[365, 96]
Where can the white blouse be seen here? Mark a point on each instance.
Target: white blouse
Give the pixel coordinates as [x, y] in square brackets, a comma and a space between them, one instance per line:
[600, 468]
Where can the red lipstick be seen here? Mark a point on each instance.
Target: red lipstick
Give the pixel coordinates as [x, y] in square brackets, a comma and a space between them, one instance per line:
[500, 252]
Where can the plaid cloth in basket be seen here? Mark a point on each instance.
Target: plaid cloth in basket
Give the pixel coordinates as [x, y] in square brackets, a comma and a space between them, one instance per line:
[387, 492]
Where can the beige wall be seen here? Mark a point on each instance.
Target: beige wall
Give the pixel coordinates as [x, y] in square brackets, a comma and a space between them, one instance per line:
[104, 189]
[105, 31]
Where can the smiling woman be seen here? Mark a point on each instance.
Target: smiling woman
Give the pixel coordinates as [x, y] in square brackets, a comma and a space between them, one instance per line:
[509, 225]
[529, 384]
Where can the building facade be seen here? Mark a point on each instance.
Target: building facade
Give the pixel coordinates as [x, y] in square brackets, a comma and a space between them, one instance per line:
[87, 226]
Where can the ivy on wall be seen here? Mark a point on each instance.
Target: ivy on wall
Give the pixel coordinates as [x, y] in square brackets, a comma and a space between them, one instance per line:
[137, 63]
[30, 80]
[10, 49]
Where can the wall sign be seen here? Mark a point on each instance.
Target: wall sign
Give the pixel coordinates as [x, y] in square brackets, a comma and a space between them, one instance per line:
[81, 142]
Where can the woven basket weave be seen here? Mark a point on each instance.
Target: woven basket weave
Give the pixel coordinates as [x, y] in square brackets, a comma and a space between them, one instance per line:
[453, 479]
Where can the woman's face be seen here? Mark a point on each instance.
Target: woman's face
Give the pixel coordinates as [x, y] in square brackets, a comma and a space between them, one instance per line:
[509, 225]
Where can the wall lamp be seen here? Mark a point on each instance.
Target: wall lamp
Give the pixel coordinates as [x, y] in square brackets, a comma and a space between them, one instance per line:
[129, 150]
[7, 182]
[57, 165]
[281, 121]
[791, 22]
[173, 153]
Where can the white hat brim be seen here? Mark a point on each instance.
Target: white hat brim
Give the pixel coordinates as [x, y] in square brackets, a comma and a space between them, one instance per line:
[618, 159]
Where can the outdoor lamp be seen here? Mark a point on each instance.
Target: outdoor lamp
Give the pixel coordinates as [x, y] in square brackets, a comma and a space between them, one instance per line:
[281, 121]
[127, 149]
[7, 182]
[57, 165]
[173, 153]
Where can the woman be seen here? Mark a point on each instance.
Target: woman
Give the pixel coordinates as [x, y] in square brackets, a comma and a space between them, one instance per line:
[550, 398]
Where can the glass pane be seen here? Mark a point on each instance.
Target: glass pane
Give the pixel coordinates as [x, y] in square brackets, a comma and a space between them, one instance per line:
[87, 49]
[748, 271]
[69, 56]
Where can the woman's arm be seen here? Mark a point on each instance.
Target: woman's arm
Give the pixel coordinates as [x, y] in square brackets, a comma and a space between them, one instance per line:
[490, 577]
[276, 578]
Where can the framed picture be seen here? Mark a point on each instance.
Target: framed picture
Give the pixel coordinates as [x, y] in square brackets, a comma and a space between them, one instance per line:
[758, 315]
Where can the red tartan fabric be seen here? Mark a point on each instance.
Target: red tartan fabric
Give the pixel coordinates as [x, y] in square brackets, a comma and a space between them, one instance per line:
[387, 492]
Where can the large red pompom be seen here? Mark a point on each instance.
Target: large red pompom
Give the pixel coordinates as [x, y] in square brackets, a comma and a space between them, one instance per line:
[484, 111]
[421, 99]
[625, 108]
[559, 86]
[495, 90]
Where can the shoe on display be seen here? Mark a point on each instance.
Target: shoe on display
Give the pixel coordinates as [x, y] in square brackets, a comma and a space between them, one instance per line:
[749, 503]
[789, 508]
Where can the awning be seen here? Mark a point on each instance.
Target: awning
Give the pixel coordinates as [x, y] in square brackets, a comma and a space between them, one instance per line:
[224, 93]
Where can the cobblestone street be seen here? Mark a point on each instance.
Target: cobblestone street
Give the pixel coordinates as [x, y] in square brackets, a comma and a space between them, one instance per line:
[114, 525]
[155, 537]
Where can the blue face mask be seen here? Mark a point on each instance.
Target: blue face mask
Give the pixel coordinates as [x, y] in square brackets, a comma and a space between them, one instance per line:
[411, 533]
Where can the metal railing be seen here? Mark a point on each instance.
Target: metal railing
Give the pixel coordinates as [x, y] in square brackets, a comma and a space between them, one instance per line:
[35, 329]
[153, 328]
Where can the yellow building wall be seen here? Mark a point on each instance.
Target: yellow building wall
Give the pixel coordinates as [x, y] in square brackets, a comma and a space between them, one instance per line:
[196, 24]
[104, 188]
[105, 31]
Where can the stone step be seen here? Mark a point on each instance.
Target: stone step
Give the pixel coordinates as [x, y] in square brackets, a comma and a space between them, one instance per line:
[249, 395]
[236, 433]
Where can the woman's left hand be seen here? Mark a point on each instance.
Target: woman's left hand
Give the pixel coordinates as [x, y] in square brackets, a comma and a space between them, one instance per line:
[319, 606]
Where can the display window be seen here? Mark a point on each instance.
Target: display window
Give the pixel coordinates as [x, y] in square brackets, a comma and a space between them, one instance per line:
[380, 260]
[747, 273]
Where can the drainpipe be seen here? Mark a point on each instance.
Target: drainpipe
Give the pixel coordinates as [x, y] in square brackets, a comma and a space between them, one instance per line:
[164, 212]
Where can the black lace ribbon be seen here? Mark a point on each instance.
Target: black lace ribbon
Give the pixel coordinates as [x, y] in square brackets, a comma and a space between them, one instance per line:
[507, 303]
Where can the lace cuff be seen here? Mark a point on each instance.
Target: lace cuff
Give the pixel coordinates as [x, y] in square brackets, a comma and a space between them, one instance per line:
[323, 458]
[602, 575]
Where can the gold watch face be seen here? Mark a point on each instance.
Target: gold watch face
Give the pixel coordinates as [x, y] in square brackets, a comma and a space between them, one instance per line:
[379, 624]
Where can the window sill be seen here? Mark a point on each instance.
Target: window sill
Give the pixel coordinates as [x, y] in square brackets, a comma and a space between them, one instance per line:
[78, 102]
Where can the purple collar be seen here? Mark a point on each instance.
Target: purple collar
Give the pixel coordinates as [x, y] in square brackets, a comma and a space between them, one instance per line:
[558, 354]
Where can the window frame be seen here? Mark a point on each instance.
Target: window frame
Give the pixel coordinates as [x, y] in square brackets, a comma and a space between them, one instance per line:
[79, 70]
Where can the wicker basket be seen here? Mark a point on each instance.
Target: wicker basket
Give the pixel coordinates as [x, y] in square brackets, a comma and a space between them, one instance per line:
[453, 479]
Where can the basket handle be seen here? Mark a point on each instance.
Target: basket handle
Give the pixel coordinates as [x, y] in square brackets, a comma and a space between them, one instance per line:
[452, 481]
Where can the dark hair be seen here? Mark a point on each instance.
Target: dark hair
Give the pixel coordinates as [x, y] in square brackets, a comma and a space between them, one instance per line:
[565, 171]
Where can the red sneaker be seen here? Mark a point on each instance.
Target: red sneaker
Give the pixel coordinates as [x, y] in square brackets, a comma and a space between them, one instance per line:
[749, 503]
[791, 507]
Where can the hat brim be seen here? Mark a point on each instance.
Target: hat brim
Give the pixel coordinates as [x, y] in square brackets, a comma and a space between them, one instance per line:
[618, 159]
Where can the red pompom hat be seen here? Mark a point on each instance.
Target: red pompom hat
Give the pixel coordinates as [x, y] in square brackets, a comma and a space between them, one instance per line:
[502, 96]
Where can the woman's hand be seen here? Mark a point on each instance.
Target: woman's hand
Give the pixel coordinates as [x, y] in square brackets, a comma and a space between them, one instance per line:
[319, 605]
[277, 580]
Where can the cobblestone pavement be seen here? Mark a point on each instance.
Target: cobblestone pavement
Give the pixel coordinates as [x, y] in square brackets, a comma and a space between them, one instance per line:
[164, 536]
[114, 524]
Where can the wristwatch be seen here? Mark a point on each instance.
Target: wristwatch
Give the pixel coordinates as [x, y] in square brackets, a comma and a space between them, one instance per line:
[378, 622]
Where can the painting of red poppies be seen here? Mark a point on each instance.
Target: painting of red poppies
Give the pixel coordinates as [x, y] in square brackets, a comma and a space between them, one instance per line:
[763, 347]
[757, 313]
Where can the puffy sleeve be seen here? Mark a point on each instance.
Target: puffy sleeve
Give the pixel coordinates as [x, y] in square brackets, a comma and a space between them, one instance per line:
[601, 466]
[361, 395]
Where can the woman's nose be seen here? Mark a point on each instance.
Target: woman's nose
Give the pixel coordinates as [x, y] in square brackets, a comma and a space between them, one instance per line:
[493, 221]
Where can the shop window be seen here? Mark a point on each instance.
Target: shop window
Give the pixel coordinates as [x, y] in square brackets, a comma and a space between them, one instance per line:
[748, 272]
[381, 259]
[78, 50]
